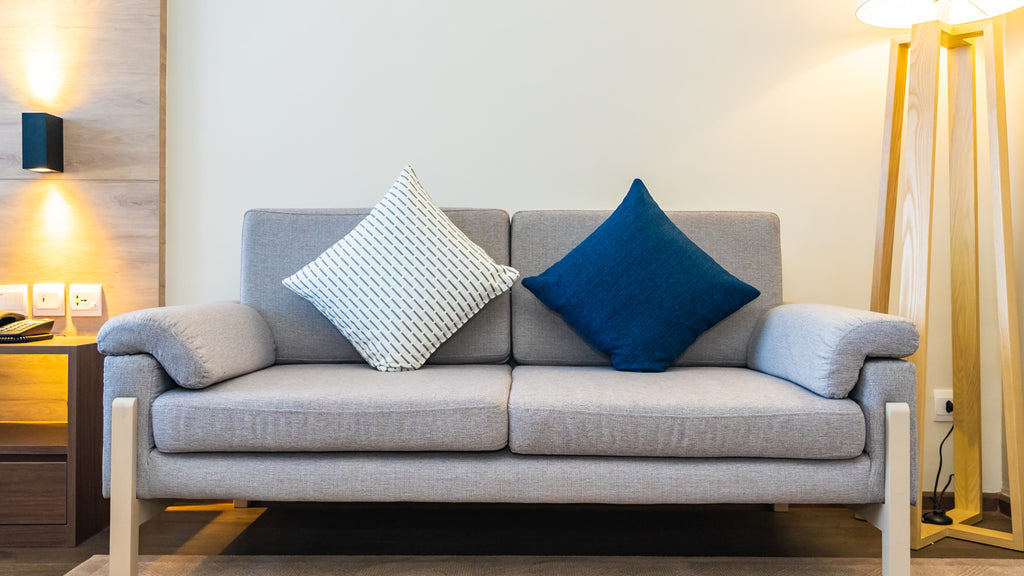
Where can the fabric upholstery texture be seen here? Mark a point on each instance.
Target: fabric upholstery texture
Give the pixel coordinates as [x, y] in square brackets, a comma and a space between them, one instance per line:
[637, 289]
[465, 476]
[504, 477]
[746, 244]
[339, 407]
[403, 281]
[882, 381]
[693, 412]
[136, 376]
[276, 243]
[822, 348]
[198, 345]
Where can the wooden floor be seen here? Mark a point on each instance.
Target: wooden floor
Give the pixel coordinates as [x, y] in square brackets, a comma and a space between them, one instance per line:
[498, 529]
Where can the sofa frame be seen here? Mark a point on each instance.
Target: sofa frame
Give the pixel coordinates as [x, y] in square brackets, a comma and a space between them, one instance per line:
[128, 513]
[207, 347]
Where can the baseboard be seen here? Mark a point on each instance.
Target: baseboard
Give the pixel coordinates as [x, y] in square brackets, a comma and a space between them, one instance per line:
[990, 502]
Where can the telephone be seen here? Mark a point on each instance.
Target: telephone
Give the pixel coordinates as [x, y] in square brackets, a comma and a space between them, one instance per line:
[15, 327]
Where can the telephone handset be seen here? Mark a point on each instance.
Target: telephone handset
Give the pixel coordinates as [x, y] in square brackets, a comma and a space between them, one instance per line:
[15, 327]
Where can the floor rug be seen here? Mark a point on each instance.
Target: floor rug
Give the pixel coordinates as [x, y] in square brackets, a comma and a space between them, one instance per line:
[175, 565]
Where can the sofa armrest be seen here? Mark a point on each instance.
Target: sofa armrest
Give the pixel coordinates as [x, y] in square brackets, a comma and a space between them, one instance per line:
[882, 381]
[133, 376]
[823, 348]
[197, 345]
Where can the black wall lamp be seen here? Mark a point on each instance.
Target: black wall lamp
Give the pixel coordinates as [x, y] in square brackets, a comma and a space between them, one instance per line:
[42, 142]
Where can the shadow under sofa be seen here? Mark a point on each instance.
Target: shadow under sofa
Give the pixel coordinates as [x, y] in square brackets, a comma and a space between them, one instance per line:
[265, 400]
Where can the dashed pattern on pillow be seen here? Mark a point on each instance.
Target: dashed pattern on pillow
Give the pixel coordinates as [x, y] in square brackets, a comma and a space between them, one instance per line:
[403, 280]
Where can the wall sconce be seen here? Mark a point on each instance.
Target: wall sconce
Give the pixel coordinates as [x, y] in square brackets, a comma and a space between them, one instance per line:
[42, 142]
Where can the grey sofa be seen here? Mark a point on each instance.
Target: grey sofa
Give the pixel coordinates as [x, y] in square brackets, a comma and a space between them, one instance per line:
[265, 400]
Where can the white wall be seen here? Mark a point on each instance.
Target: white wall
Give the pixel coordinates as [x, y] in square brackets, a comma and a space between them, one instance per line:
[535, 104]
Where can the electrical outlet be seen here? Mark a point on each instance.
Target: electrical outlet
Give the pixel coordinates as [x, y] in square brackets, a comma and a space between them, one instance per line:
[48, 300]
[85, 299]
[14, 298]
[941, 397]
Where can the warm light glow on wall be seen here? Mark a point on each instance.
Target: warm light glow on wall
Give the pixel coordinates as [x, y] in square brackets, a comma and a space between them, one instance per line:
[59, 227]
[57, 215]
[45, 73]
[41, 53]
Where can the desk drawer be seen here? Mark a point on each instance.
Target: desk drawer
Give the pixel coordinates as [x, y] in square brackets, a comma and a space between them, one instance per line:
[33, 492]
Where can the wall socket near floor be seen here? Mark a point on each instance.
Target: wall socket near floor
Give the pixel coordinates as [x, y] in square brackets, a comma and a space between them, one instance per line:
[941, 397]
[85, 299]
[14, 298]
[48, 300]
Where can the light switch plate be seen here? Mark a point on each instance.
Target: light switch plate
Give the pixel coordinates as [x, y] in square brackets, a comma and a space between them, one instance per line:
[85, 299]
[14, 298]
[48, 300]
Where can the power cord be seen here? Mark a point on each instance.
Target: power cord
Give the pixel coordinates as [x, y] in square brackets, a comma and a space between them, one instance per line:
[938, 515]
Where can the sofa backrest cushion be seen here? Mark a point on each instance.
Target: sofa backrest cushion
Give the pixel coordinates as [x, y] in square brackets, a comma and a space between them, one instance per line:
[746, 244]
[277, 243]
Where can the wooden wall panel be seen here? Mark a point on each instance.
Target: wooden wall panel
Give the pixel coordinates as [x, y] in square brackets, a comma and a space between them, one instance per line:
[96, 63]
[82, 231]
[99, 65]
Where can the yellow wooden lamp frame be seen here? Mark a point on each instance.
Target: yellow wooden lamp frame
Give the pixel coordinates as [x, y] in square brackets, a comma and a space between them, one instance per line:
[907, 194]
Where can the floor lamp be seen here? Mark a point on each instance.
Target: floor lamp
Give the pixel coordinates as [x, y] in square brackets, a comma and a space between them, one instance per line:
[908, 166]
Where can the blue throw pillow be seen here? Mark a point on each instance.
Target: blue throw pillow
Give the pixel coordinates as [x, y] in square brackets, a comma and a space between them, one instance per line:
[638, 289]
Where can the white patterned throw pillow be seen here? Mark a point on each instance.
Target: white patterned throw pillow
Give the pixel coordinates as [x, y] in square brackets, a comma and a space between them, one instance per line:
[403, 280]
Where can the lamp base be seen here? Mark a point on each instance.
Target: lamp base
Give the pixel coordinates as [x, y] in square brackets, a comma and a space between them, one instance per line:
[936, 517]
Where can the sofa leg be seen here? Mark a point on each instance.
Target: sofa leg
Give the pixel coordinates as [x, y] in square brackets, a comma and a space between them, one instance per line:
[127, 512]
[124, 521]
[893, 516]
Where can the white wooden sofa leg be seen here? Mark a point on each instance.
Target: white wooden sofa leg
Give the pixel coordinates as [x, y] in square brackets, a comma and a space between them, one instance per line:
[127, 512]
[893, 516]
[124, 512]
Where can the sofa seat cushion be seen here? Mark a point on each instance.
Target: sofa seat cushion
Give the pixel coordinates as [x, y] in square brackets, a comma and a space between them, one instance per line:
[683, 412]
[339, 407]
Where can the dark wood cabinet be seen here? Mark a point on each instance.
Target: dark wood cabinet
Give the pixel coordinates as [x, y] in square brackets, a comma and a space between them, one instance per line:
[51, 442]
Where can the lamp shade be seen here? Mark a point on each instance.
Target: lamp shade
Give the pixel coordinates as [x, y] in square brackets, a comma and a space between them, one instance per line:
[906, 13]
